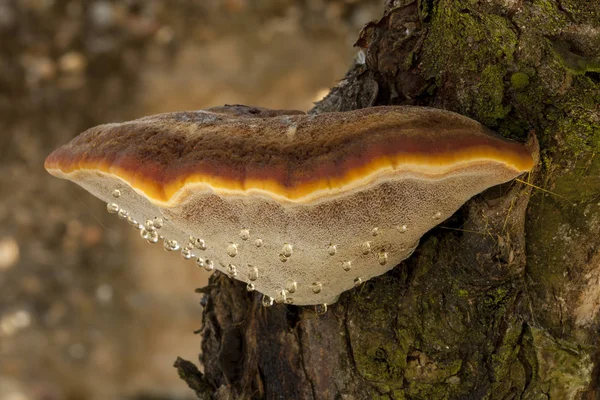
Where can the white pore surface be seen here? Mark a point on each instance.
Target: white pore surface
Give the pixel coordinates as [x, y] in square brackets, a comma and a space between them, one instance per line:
[373, 228]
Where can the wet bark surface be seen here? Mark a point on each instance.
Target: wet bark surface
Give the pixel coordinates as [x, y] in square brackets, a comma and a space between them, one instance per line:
[500, 301]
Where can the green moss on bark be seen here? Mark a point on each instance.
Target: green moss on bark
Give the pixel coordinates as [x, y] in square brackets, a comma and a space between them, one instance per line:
[510, 374]
[519, 80]
[477, 55]
[477, 48]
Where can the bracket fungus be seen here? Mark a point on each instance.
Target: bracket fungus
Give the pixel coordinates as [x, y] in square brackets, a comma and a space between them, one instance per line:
[300, 207]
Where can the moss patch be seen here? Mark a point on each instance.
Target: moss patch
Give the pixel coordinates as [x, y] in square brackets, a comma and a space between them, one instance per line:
[510, 374]
[473, 55]
[475, 47]
[519, 80]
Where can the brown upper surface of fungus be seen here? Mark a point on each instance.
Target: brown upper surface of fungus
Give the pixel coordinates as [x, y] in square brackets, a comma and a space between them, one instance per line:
[332, 177]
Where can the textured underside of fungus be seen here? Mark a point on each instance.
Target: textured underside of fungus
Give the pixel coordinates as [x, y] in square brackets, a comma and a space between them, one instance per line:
[301, 207]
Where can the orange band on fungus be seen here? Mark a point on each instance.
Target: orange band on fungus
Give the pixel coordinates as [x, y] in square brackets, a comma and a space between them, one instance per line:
[431, 150]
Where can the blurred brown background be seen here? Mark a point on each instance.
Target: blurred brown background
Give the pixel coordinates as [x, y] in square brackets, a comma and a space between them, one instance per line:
[87, 310]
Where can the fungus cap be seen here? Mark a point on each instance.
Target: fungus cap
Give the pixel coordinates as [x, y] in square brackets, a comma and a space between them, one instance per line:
[301, 207]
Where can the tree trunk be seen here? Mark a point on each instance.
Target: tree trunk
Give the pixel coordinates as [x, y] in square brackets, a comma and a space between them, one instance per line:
[500, 301]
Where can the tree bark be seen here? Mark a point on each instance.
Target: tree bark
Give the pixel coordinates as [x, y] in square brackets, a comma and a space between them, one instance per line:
[499, 302]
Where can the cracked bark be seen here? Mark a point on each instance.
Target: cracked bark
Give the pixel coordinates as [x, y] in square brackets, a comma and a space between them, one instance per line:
[471, 314]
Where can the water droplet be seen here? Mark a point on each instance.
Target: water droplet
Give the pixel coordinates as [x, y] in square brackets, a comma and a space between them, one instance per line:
[346, 265]
[186, 254]
[206, 264]
[437, 215]
[365, 248]
[149, 225]
[116, 193]
[287, 250]
[112, 208]
[358, 281]
[252, 273]
[232, 250]
[153, 237]
[402, 228]
[132, 221]
[282, 257]
[145, 234]
[245, 234]
[122, 214]
[171, 245]
[281, 296]
[200, 244]
[332, 249]
[321, 309]
[382, 257]
[250, 287]
[291, 285]
[258, 242]
[267, 301]
[158, 222]
[232, 270]
[375, 231]
[316, 287]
